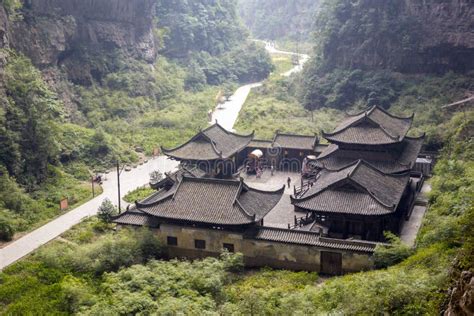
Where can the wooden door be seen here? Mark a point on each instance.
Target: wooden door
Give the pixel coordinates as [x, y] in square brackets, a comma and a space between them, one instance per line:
[331, 263]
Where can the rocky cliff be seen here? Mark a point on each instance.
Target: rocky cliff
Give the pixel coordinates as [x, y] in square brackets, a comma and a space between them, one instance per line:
[461, 300]
[81, 37]
[447, 40]
[409, 36]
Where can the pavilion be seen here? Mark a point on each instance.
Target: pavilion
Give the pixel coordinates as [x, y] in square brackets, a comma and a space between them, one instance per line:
[213, 150]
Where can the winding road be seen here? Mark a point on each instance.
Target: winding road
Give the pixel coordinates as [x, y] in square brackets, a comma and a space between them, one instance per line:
[226, 115]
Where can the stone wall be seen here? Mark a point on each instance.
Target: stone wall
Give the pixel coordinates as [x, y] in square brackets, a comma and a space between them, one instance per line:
[257, 253]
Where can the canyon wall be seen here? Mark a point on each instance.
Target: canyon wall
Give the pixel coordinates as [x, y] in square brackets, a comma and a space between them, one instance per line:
[83, 37]
[447, 40]
[409, 36]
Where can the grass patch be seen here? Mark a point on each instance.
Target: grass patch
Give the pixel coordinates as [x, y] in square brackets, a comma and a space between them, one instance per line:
[138, 194]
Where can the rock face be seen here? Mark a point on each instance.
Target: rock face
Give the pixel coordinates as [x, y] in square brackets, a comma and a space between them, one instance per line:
[71, 33]
[407, 36]
[448, 34]
[461, 302]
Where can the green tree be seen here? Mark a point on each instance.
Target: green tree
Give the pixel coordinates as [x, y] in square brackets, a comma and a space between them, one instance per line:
[106, 211]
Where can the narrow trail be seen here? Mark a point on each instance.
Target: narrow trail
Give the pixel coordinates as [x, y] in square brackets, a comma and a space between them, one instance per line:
[226, 114]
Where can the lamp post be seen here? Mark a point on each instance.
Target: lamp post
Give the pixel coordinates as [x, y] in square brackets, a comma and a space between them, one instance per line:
[118, 186]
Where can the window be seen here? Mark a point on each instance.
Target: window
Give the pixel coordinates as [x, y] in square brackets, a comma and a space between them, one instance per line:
[172, 241]
[199, 244]
[229, 247]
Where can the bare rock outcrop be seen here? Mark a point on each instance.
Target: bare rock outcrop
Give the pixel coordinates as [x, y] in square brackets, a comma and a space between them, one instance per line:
[461, 301]
[447, 41]
[76, 35]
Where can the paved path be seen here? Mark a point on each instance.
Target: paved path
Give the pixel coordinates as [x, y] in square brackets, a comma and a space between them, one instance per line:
[411, 227]
[128, 181]
[303, 58]
[226, 114]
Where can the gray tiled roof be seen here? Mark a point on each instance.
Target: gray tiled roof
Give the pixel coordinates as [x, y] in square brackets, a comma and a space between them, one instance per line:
[293, 141]
[259, 143]
[136, 218]
[211, 143]
[213, 201]
[374, 126]
[357, 189]
[394, 161]
[312, 239]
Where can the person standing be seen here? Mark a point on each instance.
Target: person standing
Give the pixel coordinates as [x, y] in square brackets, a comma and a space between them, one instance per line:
[288, 181]
[272, 169]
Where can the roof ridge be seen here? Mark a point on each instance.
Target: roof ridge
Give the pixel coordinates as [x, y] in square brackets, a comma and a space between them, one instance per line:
[393, 115]
[294, 134]
[324, 134]
[244, 211]
[213, 143]
[239, 190]
[387, 132]
[264, 191]
[200, 133]
[229, 132]
[372, 194]
[206, 179]
[422, 136]
[359, 113]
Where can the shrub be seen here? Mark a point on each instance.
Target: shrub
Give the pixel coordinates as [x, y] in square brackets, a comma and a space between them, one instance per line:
[395, 252]
[106, 211]
[138, 194]
[6, 230]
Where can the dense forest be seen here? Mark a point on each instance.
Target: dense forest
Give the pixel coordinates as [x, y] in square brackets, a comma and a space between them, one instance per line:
[71, 105]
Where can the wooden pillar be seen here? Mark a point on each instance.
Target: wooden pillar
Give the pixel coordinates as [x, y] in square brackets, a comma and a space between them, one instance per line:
[344, 224]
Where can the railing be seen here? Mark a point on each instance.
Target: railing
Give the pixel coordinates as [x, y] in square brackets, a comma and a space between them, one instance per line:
[306, 184]
[302, 221]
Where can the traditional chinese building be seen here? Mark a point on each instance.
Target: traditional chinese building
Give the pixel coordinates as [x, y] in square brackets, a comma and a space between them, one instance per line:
[363, 185]
[374, 136]
[357, 201]
[199, 217]
[286, 151]
[214, 150]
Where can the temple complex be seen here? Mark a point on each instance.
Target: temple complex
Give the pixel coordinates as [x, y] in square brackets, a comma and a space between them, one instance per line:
[343, 196]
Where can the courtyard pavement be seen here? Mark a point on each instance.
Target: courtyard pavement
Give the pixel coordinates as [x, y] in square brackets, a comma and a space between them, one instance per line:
[283, 213]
